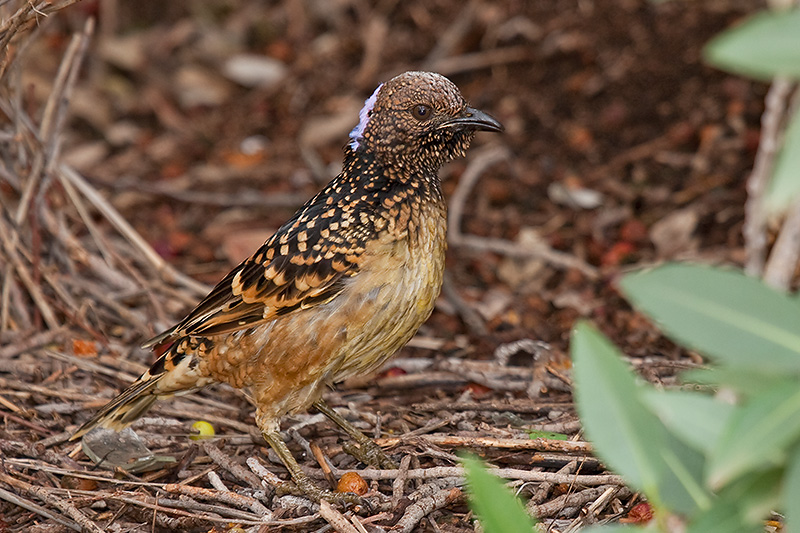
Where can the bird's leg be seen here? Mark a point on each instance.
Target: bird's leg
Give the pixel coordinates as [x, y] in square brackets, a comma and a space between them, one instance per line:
[306, 487]
[367, 451]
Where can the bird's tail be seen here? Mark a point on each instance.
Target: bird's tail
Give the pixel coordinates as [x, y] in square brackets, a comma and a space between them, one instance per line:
[123, 410]
[173, 373]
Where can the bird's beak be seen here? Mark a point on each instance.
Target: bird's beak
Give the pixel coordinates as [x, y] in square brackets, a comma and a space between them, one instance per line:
[475, 119]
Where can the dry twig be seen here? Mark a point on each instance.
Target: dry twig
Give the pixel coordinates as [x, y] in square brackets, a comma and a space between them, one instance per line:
[424, 506]
[477, 166]
[755, 222]
[542, 445]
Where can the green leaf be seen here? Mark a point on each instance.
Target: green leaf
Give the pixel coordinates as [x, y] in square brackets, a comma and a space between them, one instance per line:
[742, 506]
[791, 494]
[764, 46]
[536, 434]
[745, 381]
[498, 510]
[696, 418]
[784, 187]
[629, 438]
[723, 313]
[758, 434]
[624, 433]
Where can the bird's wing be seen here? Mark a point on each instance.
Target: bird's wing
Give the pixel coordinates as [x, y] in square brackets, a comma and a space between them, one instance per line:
[304, 264]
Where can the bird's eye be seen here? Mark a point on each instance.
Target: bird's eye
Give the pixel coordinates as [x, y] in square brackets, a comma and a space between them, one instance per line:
[422, 112]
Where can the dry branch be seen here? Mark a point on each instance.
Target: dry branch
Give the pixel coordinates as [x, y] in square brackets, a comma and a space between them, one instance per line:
[542, 445]
[755, 222]
[47, 496]
[425, 506]
[476, 168]
[506, 473]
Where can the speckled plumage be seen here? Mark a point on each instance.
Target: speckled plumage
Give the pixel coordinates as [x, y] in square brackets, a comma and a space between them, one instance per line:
[340, 286]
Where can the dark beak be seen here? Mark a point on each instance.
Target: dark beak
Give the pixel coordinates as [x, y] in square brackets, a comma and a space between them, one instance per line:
[474, 119]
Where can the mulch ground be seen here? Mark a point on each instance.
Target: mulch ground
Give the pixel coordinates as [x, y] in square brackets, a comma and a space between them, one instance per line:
[145, 155]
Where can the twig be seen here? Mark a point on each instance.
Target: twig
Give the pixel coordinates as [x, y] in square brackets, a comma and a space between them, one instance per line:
[504, 352]
[191, 505]
[425, 506]
[479, 60]
[399, 483]
[8, 404]
[543, 490]
[513, 406]
[53, 117]
[90, 366]
[539, 251]
[29, 449]
[23, 16]
[245, 198]
[475, 169]
[78, 252]
[336, 519]
[10, 245]
[37, 428]
[56, 107]
[450, 38]
[577, 499]
[594, 509]
[226, 462]
[38, 509]
[132, 318]
[17, 384]
[106, 477]
[215, 481]
[373, 36]
[37, 340]
[12, 297]
[506, 473]
[192, 414]
[47, 497]
[227, 497]
[52, 121]
[755, 221]
[262, 472]
[782, 261]
[411, 381]
[163, 268]
[324, 464]
[783, 258]
[491, 374]
[613, 166]
[162, 504]
[86, 218]
[455, 237]
[472, 318]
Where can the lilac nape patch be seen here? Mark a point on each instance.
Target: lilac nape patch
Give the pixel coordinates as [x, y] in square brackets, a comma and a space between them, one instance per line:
[363, 119]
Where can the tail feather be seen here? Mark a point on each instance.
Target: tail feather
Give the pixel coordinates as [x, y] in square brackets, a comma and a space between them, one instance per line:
[175, 372]
[125, 409]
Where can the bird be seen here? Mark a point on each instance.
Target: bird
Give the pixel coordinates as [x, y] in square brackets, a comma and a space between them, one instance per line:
[340, 286]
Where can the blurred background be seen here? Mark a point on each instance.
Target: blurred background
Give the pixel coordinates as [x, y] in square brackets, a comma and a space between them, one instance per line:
[207, 123]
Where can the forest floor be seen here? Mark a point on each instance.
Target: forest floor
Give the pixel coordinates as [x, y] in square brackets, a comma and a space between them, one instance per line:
[144, 157]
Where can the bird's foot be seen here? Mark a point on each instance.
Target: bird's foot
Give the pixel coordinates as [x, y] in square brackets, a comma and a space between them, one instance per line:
[367, 451]
[370, 453]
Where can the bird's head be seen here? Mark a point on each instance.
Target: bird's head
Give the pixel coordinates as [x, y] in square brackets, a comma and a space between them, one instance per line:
[418, 121]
